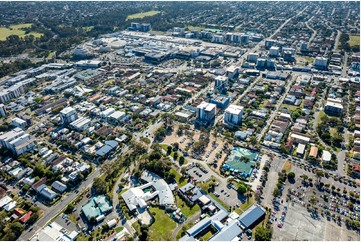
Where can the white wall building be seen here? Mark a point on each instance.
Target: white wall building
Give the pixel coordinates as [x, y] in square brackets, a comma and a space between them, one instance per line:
[68, 115]
[233, 115]
[252, 57]
[17, 141]
[206, 111]
[2, 110]
[320, 63]
[18, 122]
[274, 51]
[221, 82]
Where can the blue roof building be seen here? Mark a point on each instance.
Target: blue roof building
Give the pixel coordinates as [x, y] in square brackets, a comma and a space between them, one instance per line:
[252, 216]
[222, 101]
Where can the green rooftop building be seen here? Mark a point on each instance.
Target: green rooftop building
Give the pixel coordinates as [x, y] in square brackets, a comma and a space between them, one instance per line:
[97, 208]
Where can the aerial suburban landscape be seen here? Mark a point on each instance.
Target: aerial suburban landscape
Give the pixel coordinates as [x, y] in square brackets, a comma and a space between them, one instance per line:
[180, 121]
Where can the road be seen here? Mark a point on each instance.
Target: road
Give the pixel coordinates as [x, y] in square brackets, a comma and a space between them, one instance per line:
[312, 29]
[52, 212]
[337, 40]
[344, 67]
[274, 113]
[191, 219]
[287, 21]
[116, 213]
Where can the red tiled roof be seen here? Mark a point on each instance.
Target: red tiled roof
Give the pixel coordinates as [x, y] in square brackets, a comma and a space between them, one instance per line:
[19, 211]
[26, 217]
[251, 95]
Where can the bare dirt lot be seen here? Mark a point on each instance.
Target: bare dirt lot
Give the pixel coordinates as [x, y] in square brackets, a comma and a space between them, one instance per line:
[210, 151]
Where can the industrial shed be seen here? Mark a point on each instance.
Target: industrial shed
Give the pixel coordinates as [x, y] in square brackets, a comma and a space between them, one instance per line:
[252, 216]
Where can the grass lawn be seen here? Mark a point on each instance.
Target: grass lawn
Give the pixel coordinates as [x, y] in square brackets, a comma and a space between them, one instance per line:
[109, 83]
[164, 147]
[136, 226]
[195, 28]
[88, 28]
[244, 206]
[72, 218]
[302, 103]
[118, 229]
[17, 30]
[142, 15]
[302, 60]
[163, 226]
[207, 236]
[320, 115]
[290, 108]
[354, 40]
[309, 59]
[333, 132]
[82, 237]
[157, 32]
[205, 185]
[187, 210]
[287, 166]
[185, 228]
[51, 54]
[263, 104]
[180, 182]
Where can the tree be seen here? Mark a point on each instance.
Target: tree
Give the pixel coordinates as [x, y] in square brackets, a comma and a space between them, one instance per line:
[100, 186]
[242, 189]
[263, 234]
[253, 140]
[291, 175]
[175, 155]
[155, 155]
[276, 192]
[304, 177]
[181, 160]
[17, 228]
[313, 199]
[144, 232]
[169, 149]
[69, 208]
[175, 146]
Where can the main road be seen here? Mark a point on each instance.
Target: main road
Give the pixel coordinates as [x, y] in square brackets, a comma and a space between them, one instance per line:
[52, 212]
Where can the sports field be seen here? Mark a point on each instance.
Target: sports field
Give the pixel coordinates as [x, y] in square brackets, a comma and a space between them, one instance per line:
[142, 15]
[16, 29]
[354, 40]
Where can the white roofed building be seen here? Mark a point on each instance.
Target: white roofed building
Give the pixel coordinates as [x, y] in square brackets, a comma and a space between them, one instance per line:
[233, 115]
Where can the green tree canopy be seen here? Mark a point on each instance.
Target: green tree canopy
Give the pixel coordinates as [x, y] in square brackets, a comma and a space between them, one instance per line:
[263, 234]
